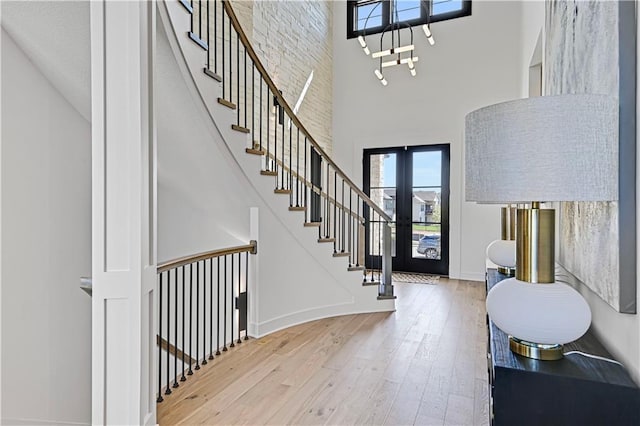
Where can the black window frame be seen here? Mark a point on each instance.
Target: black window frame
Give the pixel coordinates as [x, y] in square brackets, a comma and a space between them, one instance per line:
[353, 32]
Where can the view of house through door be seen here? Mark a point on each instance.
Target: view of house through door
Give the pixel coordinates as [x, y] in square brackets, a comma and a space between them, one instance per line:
[411, 185]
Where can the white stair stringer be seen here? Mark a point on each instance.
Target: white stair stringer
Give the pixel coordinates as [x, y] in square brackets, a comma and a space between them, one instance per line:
[205, 91]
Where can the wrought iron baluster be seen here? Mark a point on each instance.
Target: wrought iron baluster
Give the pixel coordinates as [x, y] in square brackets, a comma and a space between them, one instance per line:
[307, 211]
[245, 93]
[335, 211]
[224, 79]
[238, 77]
[239, 292]
[190, 372]
[218, 312]
[208, 39]
[224, 340]
[342, 223]
[204, 312]
[215, 38]
[175, 328]
[350, 217]
[184, 296]
[327, 210]
[211, 309]
[231, 302]
[230, 64]
[246, 285]
[283, 155]
[267, 159]
[298, 167]
[197, 315]
[168, 389]
[160, 399]
[275, 141]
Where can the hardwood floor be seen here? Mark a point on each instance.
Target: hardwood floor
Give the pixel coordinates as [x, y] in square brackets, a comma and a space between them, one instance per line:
[424, 364]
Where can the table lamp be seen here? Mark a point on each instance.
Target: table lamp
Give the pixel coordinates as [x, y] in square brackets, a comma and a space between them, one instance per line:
[528, 151]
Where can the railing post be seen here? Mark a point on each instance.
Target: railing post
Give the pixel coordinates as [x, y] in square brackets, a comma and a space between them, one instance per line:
[386, 284]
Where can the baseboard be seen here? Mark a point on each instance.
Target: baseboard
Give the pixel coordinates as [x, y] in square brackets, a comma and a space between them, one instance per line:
[296, 318]
[37, 422]
[471, 276]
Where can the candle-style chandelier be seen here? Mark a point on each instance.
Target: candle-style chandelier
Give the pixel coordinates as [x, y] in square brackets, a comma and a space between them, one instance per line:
[392, 51]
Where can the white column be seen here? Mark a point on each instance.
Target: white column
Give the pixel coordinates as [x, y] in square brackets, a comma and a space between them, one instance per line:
[123, 212]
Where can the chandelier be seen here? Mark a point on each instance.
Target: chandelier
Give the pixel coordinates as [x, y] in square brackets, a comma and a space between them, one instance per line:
[392, 50]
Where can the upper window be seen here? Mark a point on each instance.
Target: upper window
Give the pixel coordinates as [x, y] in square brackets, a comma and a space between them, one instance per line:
[365, 17]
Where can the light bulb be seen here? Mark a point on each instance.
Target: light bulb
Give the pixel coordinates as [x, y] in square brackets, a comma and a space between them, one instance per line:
[362, 42]
[383, 81]
[378, 74]
[426, 30]
[366, 51]
[431, 41]
[393, 50]
[397, 62]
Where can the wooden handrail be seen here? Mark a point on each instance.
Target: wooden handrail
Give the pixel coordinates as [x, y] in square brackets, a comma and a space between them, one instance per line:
[252, 248]
[283, 104]
[317, 190]
[168, 347]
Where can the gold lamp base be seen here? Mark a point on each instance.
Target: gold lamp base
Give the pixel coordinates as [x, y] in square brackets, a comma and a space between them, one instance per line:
[536, 350]
[510, 272]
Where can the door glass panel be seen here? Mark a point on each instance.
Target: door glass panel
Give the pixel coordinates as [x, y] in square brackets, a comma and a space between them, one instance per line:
[426, 205]
[427, 169]
[426, 241]
[382, 182]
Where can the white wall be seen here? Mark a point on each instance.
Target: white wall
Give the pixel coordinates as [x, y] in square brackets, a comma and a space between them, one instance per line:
[474, 63]
[532, 23]
[46, 247]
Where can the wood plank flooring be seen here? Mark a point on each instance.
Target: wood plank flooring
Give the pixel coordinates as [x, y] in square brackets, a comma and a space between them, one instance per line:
[424, 364]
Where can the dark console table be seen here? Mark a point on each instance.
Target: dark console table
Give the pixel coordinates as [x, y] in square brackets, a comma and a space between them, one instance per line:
[575, 390]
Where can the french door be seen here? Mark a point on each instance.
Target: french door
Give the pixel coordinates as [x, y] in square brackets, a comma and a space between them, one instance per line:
[411, 184]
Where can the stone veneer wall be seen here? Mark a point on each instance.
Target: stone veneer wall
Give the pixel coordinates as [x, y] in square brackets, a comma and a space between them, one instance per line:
[293, 38]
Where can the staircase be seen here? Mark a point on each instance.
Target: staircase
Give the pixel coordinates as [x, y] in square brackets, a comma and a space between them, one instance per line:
[310, 196]
[239, 94]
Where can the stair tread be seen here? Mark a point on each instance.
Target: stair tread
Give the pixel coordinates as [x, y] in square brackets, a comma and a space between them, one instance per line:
[212, 74]
[341, 254]
[226, 103]
[268, 173]
[240, 128]
[297, 208]
[254, 151]
[186, 5]
[309, 224]
[326, 240]
[382, 297]
[200, 42]
[282, 191]
[355, 268]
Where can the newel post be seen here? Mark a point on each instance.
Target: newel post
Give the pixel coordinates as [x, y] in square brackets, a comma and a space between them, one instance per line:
[386, 283]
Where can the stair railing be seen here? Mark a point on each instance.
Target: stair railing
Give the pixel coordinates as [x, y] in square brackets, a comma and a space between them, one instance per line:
[343, 214]
[202, 311]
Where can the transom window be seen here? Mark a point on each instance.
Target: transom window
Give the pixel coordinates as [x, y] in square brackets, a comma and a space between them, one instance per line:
[366, 17]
